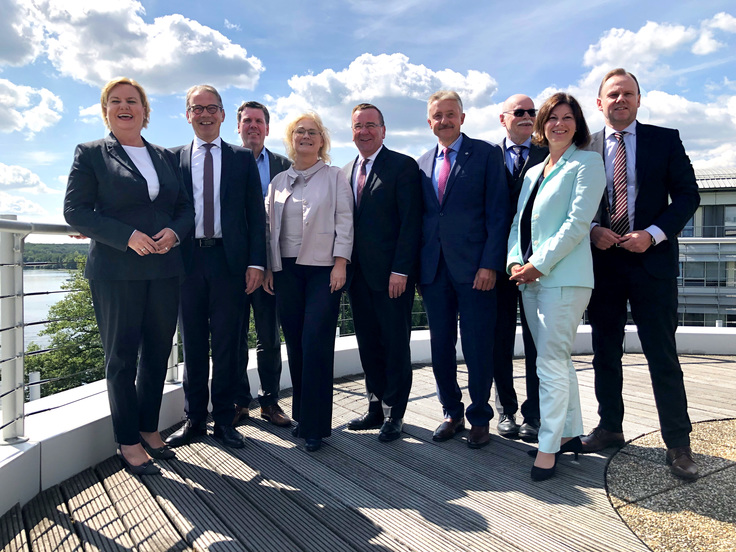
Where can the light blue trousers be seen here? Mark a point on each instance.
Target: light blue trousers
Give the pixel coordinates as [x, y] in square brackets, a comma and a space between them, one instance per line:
[553, 315]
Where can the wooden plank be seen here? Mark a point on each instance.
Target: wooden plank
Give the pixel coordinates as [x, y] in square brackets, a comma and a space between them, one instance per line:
[95, 519]
[48, 523]
[261, 523]
[200, 527]
[147, 524]
[12, 534]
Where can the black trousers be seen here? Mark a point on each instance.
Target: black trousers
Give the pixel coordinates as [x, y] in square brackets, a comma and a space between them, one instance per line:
[137, 320]
[621, 277]
[507, 298]
[383, 332]
[308, 314]
[211, 314]
[268, 350]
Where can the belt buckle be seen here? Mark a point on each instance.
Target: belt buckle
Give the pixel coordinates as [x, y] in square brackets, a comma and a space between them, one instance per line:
[206, 242]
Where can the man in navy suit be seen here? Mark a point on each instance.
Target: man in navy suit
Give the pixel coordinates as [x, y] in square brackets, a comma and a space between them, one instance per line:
[651, 194]
[464, 230]
[253, 126]
[520, 154]
[225, 253]
[387, 228]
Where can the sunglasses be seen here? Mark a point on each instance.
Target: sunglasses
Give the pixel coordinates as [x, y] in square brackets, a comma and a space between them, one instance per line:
[520, 112]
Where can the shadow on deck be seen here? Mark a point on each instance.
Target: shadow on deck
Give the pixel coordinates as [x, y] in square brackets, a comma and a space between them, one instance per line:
[359, 494]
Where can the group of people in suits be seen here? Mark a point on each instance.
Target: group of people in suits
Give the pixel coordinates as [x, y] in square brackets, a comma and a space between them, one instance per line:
[551, 220]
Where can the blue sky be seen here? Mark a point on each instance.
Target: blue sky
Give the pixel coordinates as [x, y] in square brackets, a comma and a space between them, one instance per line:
[329, 55]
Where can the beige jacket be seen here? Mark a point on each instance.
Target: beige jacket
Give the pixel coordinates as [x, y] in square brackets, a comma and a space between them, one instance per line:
[328, 216]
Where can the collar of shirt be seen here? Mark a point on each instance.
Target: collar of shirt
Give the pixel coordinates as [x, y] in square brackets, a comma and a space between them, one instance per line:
[264, 170]
[198, 153]
[510, 155]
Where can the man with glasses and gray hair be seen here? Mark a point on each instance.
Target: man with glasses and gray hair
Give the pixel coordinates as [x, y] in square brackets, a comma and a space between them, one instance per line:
[223, 255]
[517, 117]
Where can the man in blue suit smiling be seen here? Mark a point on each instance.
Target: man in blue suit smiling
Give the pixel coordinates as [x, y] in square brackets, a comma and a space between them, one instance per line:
[464, 228]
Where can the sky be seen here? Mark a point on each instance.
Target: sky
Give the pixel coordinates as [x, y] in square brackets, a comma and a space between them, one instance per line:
[329, 55]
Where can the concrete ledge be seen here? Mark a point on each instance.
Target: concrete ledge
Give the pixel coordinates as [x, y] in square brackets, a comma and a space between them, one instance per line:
[64, 440]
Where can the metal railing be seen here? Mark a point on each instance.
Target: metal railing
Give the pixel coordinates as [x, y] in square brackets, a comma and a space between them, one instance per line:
[12, 325]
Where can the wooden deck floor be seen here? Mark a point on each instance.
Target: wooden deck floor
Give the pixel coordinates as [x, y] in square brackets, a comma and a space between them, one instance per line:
[357, 493]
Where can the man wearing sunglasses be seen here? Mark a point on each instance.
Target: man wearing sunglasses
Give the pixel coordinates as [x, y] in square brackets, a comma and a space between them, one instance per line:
[224, 254]
[517, 117]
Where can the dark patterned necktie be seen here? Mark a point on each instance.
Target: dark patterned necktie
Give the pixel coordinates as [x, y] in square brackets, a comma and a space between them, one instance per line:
[620, 213]
[208, 196]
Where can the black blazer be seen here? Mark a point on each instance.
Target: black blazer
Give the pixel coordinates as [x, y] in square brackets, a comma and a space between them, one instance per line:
[277, 163]
[537, 154]
[387, 224]
[242, 213]
[667, 193]
[107, 199]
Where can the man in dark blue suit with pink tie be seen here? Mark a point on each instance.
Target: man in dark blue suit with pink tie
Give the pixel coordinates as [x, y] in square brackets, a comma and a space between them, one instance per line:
[464, 229]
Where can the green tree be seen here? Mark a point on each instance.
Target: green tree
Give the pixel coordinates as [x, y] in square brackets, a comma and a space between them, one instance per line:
[75, 354]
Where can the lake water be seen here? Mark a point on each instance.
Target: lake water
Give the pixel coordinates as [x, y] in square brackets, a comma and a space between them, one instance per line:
[36, 307]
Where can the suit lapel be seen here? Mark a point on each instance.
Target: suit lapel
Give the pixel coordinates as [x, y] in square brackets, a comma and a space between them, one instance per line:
[226, 159]
[597, 144]
[116, 151]
[186, 168]
[373, 177]
[466, 151]
[644, 147]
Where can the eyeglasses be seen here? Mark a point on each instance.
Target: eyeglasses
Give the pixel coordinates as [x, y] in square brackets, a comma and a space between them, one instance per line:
[311, 132]
[368, 126]
[520, 112]
[211, 109]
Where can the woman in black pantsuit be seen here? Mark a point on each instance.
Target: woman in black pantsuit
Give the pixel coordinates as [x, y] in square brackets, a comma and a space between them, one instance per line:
[128, 197]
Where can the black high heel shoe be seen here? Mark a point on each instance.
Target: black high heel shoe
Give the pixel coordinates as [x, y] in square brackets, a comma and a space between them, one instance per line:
[540, 474]
[161, 453]
[147, 468]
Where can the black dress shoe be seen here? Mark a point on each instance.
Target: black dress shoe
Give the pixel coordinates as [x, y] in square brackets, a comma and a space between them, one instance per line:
[529, 430]
[312, 444]
[507, 426]
[369, 420]
[186, 433]
[295, 431]
[147, 468]
[391, 429]
[448, 429]
[681, 463]
[600, 438]
[228, 436]
[161, 453]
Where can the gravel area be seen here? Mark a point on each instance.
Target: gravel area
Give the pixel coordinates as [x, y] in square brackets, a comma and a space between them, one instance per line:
[667, 513]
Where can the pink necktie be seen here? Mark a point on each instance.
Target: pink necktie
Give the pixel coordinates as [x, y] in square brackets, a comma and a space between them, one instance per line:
[444, 174]
[620, 214]
[361, 180]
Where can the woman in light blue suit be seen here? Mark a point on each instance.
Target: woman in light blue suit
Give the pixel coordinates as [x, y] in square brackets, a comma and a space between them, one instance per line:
[549, 256]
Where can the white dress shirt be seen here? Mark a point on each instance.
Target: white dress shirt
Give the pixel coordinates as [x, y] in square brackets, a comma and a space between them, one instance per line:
[198, 153]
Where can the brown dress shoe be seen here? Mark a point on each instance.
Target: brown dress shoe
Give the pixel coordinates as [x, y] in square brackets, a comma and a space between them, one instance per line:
[275, 415]
[448, 429]
[241, 415]
[681, 463]
[479, 436]
[600, 438]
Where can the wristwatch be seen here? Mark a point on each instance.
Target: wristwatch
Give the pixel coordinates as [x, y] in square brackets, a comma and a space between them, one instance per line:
[654, 242]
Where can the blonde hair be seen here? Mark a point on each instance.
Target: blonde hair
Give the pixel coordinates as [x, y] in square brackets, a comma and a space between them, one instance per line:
[124, 80]
[324, 151]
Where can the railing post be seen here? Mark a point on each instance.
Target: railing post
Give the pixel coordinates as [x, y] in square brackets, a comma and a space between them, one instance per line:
[11, 340]
[172, 374]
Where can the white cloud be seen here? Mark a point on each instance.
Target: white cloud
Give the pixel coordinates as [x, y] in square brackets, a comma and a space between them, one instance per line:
[27, 109]
[21, 35]
[233, 26]
[17, 178]
[19, 205]
[398, 87]
[91, 115]
[723, 21]
[93, 42]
